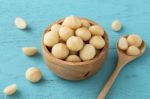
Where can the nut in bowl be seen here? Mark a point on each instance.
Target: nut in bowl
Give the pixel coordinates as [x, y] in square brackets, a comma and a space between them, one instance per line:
[74, 56]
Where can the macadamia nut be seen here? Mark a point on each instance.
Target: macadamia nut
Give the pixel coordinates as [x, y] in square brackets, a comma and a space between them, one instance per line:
[97, 41]
[72, 22]
[134, 39]
[9, 90]
[96, 30]
[85, 23]
[60, 51]
[56, 27]
[33, 74]
[133, 51]
[116, 25]
[20, 23]
[75, 43]
[73, 58]
[51, 38]
[88, 52]
[29, 51]
[65, 33]
[83, 33]
[123, 43]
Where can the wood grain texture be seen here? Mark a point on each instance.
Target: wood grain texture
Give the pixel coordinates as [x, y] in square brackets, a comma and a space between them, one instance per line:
[132, 83]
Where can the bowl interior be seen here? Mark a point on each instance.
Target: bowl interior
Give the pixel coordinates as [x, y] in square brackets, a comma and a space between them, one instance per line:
[97, 57]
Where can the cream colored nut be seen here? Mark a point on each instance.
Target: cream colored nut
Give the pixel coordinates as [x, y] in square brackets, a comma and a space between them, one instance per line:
[83, 33]
[33, 74]
[73, 58]
[85, 23]
[20, 23]
[72, 22]
[96, 30]
[75, 43]
[29, 51]
[65, 33]
[116, 25]
[133, 51]
[97, 41]
[51, 38]
[9, 90]
[123, 43]
[134, 39]
[88, 52]
[56, 27]
[60, 51]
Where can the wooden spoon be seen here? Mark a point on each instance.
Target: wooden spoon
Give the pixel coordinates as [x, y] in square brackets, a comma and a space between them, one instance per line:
[123, 59]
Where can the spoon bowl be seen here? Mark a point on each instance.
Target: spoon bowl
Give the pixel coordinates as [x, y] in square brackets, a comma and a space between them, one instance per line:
[124, 58]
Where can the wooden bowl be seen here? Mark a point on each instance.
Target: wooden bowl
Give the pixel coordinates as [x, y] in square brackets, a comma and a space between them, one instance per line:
[76, 70]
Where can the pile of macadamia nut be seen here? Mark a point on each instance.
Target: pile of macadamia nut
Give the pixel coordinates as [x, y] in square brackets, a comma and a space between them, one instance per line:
[74, 40]
[131, 44]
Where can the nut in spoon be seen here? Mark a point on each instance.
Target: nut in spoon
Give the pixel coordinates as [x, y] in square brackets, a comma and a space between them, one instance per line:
[123, 59]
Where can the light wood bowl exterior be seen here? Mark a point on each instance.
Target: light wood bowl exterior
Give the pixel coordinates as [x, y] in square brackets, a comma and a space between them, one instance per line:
[77, 70]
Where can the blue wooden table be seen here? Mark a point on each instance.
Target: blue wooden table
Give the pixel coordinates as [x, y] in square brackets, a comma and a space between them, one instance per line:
[132, 83]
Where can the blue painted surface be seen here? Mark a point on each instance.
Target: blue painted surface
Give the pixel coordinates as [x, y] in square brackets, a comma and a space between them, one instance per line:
[132, 83]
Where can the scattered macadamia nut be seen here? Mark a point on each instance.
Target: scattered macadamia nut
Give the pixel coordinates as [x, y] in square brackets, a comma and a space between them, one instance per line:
[85, 23]
[123, 43]
[73, 58]
[134, 39]
[72, 22]
[9, 90]
[56, 27]
[60, 51]
[33, 74]
[116, 25]
[29, 51]
[96, 30]
[51, 38]
[88, 52]
[83, 33]
[133, 51]
[75, 43]
[65, 33]
[20, 23]
[97, 41]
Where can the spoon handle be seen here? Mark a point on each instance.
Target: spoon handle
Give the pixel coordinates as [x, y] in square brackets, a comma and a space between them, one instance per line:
[109, 83]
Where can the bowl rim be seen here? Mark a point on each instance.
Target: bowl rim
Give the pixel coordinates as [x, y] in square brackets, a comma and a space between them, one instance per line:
[83, 63]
